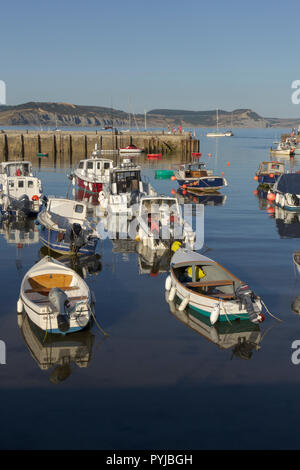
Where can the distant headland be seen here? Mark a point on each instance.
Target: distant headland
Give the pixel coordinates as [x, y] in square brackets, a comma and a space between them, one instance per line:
[70, 115]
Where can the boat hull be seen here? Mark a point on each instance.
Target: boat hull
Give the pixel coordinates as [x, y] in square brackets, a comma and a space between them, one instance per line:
[202, 184]
[49, 238]
[88, 186]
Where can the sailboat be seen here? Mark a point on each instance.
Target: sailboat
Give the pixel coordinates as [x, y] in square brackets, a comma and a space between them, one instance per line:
[217, 133]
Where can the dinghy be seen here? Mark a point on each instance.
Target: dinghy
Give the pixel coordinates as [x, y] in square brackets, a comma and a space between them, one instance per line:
[64, 227]
[209, 289]
[160, 223]
[55, 297]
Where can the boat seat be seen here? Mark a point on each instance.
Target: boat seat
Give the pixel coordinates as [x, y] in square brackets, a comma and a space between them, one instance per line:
[46, 290]
[227, 282]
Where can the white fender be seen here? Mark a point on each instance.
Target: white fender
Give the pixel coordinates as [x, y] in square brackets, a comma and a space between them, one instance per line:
[281, 200]
[215, 313]
[20, 320]
[19, 306]
[184, 303]
[172, 294]
[168, 283]
[277, 198]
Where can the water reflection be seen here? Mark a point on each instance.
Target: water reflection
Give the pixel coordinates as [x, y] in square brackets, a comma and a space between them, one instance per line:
[241, 337]
[19, 231]
[209, 199]
[59, 352]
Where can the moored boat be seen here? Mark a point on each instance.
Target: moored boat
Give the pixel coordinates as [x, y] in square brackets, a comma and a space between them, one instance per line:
[286, 192]
[55, 297]
[281, 149]
[195, 176]
[131, 149]
[64, 227]
[90, 174]
[211, 290]
[269, 172]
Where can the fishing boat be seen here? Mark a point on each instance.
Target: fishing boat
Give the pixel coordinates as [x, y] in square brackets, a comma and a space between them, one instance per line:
[195, 176]
[160, 223]
[286, 192]
[125, 189]
[55, 297]
[91, 173]
[131, 149]
[208, 288]
[269, 172]
[20, 190]
[57, 352]
[241, 337]
[64, 227]
[281, 149]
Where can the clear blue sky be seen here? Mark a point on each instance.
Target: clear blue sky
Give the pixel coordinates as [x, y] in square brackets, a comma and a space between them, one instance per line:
[189, 54]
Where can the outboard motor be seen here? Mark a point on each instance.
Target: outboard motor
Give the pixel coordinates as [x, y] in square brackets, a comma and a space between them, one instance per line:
[243, 349]
[295, 200]
[246, 297]
[60, 302]
[77, 237]
[22, 204]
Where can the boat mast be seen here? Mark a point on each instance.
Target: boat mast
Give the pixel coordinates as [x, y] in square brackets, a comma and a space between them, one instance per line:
[217, 120]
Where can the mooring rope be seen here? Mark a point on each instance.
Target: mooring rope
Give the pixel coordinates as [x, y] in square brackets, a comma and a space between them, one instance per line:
[276, 318]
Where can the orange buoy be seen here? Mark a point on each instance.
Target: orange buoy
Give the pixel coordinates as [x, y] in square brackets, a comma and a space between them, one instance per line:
[271, 175]
[173, 191]
[209, 154]
[223, 173]
[255, 192]
[173, 178]
[184, 192]
[271, 196]
[184, 186]
[228, 163]
[255, 178]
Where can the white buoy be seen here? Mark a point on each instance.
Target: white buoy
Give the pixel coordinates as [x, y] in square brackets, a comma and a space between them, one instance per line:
[168, 283]
[172, 294]
[19, 306]
[215, 313]
[184, 303]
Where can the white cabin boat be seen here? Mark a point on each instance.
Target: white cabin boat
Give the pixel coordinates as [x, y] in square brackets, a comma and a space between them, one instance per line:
[55, 297]
[286, 191]
[281, 149]
[160, 223]
[90, 174]
[125, 189]
[20, 190]
[207, 288]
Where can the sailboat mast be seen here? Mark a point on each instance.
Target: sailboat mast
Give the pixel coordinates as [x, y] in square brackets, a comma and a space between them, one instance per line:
[217, 120]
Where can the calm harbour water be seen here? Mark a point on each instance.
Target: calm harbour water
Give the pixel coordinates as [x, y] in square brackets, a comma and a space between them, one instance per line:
[155, 383]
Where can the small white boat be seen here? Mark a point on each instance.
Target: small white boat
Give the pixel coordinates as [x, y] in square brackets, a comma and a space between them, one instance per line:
[20, 190]
[125, 189]
[55, 297]
[206, 287]
[281, 149]
[218, 133]
[131, 149]
[160, 223]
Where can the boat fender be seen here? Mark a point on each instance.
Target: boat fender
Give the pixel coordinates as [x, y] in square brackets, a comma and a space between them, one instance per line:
[215, 313]
[59, 299]
[172, 294]
[261, 317]
[168, 283]
[20, 320]
[184, 303]
[19, 306]
[277, 199]
[101, 195]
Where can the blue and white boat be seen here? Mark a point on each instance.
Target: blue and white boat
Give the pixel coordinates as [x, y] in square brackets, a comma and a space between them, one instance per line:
[195, 176]
[286, 192]
[269, 172]
[64, 227]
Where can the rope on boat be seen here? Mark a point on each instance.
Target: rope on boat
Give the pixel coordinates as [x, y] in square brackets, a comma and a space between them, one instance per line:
[222, 303]
[276, 318]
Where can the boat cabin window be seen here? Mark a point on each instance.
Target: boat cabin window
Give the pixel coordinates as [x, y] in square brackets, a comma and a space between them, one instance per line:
[21, 184]
[106, 165]
[17, 169]
[79, 208]
[11, 184]
[127, 181]
[30, 184]
[90, 165]
[81, 165]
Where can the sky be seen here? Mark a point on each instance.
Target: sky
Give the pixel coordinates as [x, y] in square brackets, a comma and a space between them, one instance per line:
[142, 55]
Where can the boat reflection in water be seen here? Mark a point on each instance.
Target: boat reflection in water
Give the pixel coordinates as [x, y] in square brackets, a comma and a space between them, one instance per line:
[153, 262]
[287, 223]
[19, 231]
[84, 265]
[58, 351]
[242, 337]
[209, 199]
